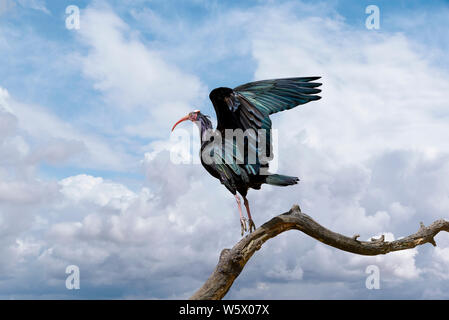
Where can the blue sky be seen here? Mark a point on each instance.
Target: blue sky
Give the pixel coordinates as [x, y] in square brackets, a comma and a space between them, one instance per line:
[45, 75]
[85, 176]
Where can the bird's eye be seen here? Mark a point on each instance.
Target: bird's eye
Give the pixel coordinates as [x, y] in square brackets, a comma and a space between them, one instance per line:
[193, 116]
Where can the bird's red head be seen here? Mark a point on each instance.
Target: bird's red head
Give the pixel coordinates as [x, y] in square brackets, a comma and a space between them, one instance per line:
[192, 116]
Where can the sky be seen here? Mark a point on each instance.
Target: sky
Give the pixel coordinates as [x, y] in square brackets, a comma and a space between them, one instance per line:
[86, 170]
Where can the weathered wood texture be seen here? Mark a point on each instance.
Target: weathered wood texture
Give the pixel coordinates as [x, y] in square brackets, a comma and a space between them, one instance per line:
[232, 261]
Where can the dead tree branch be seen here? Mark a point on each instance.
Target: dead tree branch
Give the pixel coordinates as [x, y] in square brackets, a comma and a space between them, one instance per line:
[232, 261]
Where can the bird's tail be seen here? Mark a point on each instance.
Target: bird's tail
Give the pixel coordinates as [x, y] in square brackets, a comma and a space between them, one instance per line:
[280, 180]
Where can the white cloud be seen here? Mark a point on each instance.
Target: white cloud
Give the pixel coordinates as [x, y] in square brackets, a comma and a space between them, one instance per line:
[35, 5]
[440, 263]
[372, 154]
[55, 141]
[395, 266]
[281, 272]
[84, 188]
[7, 5]
[130, 74]
[372, 100]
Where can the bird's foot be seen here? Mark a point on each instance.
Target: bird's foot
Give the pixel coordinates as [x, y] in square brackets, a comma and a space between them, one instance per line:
[252, 226]
[243, 225]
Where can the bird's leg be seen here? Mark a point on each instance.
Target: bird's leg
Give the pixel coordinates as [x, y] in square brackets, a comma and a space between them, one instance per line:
[242, 218]
[250, 219]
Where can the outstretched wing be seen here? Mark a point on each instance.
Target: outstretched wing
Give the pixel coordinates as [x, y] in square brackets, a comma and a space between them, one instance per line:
[271, 96]
[248, 107]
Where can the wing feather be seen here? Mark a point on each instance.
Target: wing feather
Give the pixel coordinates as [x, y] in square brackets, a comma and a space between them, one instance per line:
[249, 106]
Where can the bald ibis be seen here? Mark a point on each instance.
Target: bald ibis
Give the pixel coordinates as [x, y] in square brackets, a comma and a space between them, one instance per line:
[243, 165]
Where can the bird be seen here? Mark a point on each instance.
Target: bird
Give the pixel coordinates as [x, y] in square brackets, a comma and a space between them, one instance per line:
[241, 162]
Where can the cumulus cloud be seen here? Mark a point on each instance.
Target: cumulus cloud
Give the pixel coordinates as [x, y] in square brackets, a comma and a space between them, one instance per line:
[372, 151]
[342, 179]
[29, 136]
[84, 188]
[53, 140]
[132, 75]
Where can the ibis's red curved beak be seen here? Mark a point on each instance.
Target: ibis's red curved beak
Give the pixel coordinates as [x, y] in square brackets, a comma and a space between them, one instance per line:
[179, 121]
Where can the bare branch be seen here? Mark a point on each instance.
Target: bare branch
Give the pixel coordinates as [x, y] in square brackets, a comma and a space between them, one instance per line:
[232, 261]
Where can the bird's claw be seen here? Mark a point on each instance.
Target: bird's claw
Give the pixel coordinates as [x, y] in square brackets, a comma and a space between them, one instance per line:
[252, 226]
[243, 225]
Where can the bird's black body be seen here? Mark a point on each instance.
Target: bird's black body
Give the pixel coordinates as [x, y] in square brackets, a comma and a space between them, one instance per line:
[248, 107]
[240, 161]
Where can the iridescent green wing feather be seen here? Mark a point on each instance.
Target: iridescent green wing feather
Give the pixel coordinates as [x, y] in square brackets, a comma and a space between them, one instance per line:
[248, 107]
[271, 96]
